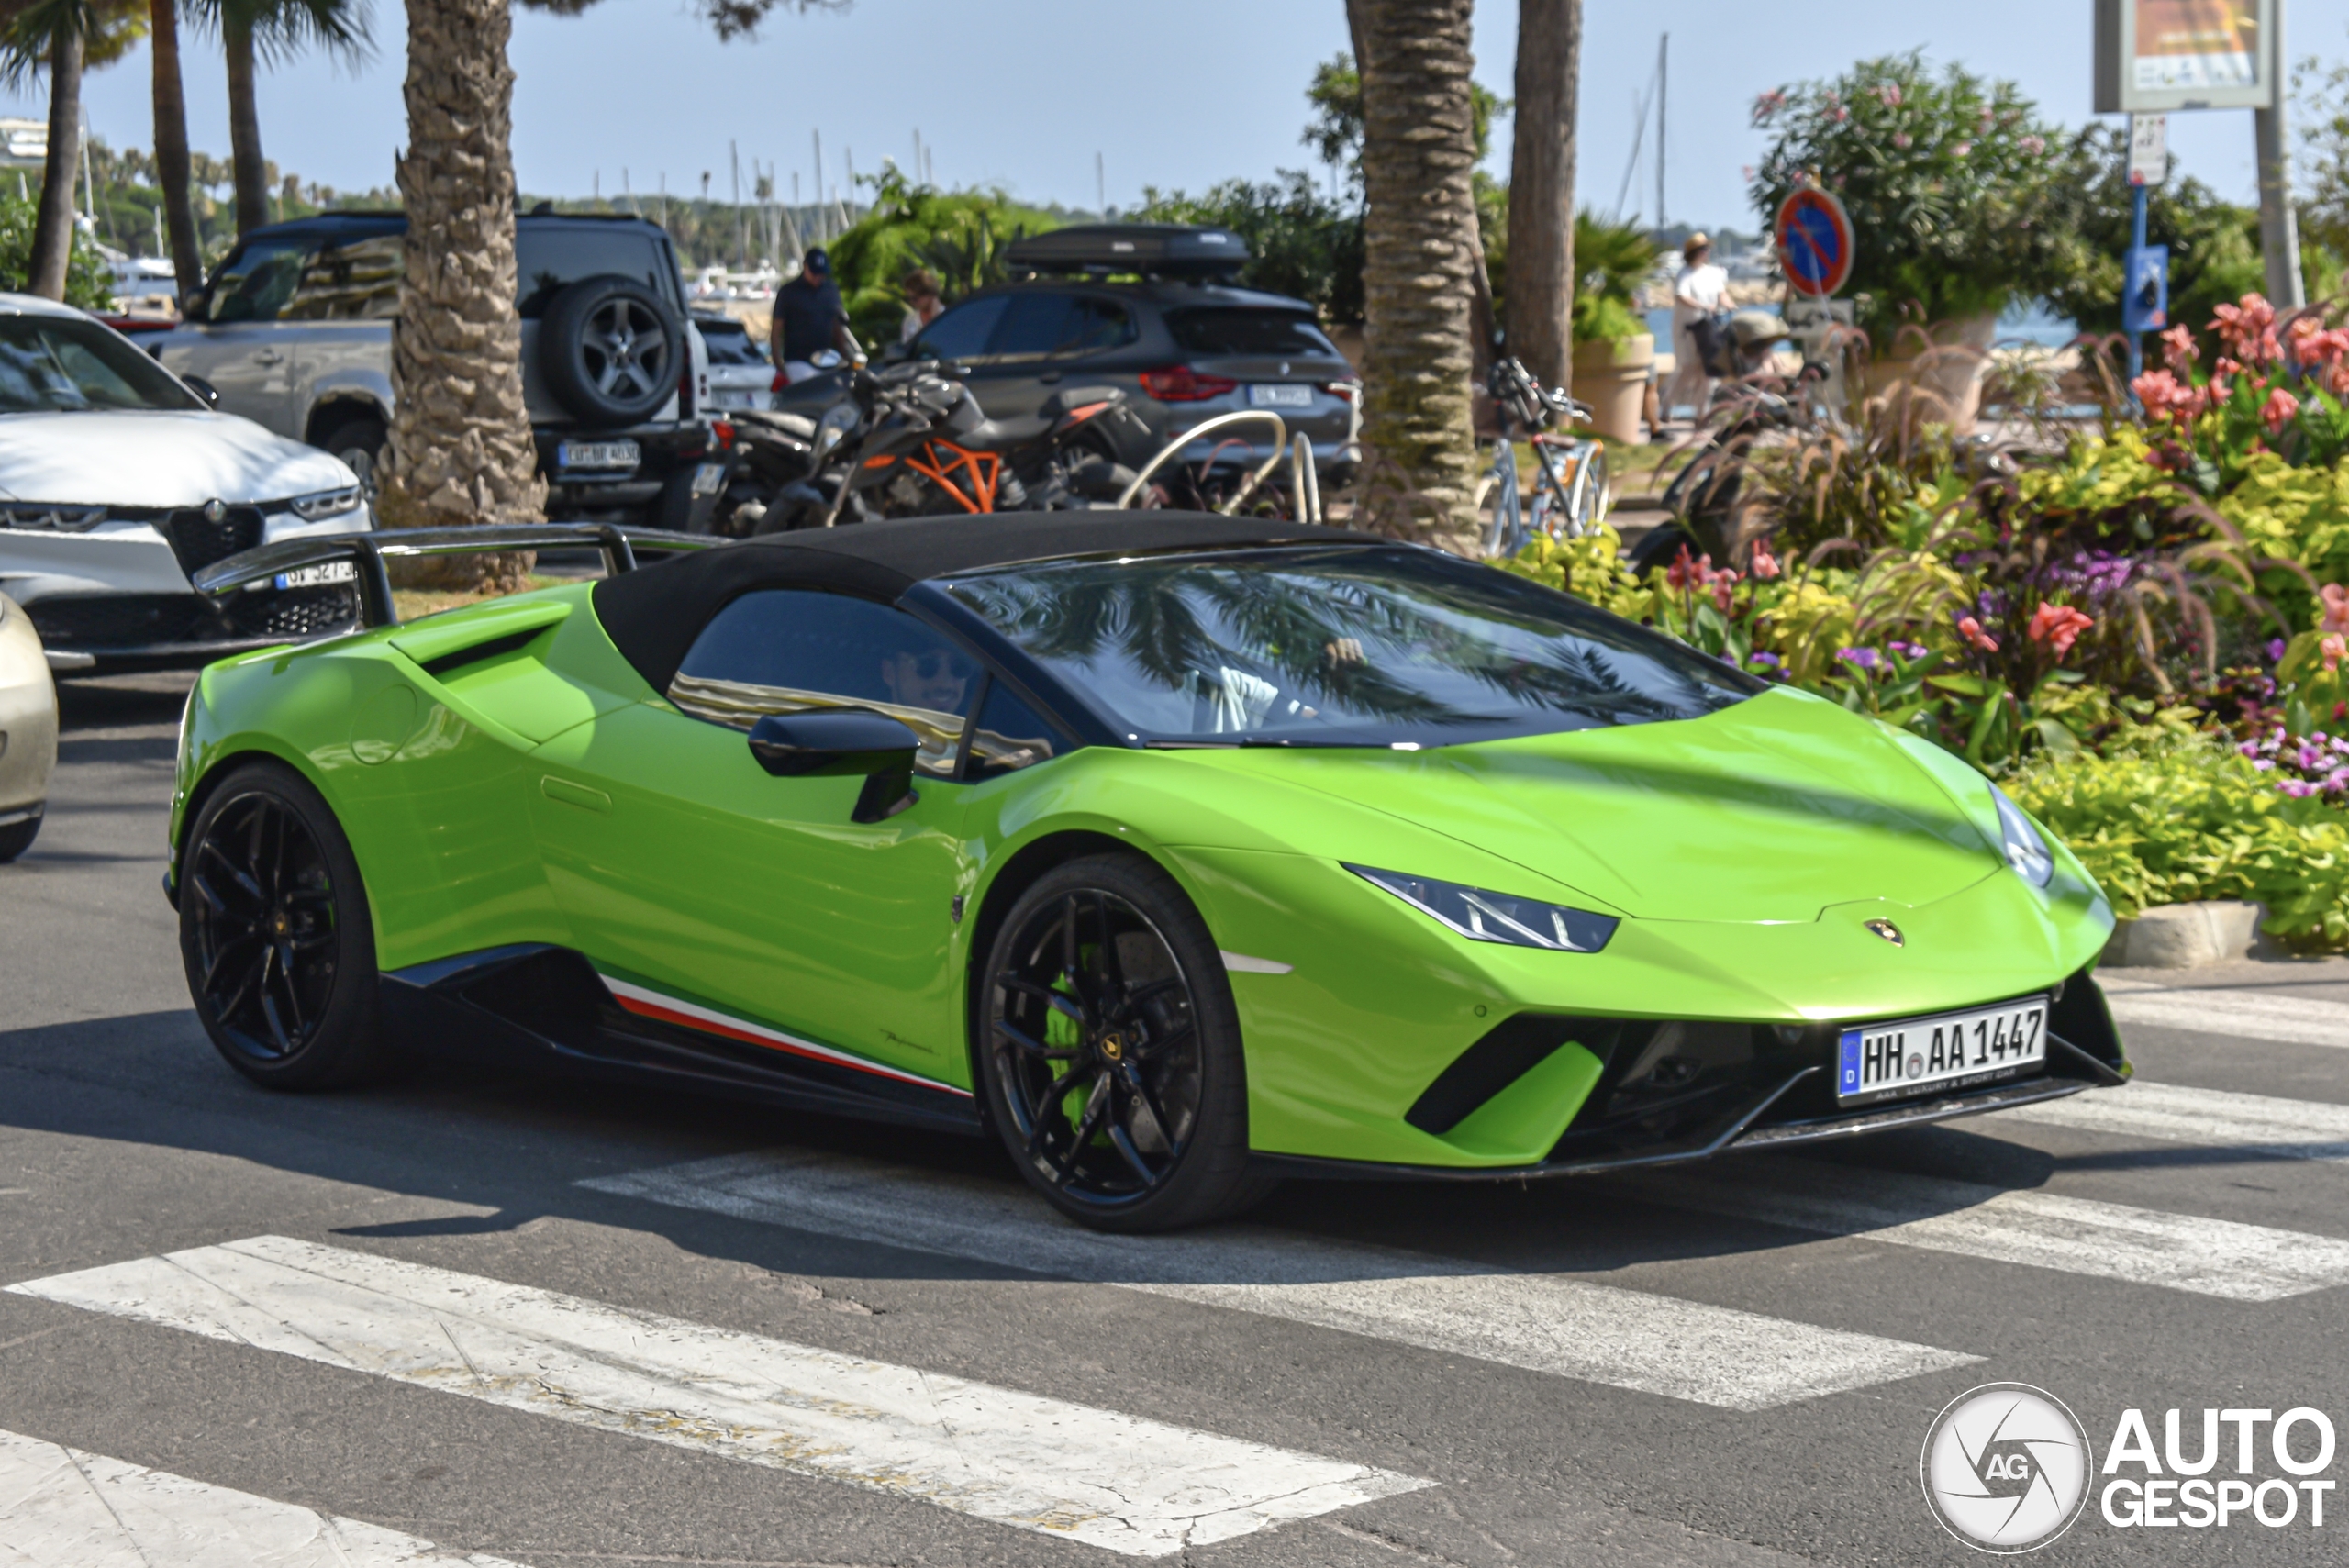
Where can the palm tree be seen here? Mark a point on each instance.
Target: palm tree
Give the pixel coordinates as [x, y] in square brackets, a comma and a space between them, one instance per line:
[60, 38]
[461, 444]
[1541, 294]
[171, 170]
[1421, 253]
[253, 31]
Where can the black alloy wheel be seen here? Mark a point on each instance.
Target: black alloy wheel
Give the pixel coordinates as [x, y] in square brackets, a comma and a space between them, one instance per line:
[275, 935]
[1111, 1051]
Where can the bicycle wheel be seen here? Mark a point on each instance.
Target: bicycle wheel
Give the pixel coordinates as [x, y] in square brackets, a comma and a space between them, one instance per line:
[1499, 506]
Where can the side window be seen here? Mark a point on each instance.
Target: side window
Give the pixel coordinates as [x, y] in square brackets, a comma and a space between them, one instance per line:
[790, 650]
[1011, 736]
[255, 284]
[962, 332]
[1032, 328]
[354, 281]
[1094, 325]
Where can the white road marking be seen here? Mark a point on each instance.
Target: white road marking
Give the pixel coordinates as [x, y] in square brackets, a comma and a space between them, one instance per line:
[1132, 1485]
[2210, 1118]
[1628, 1339]
[2245, 1014]
[61, 1507]
[2078, 1236]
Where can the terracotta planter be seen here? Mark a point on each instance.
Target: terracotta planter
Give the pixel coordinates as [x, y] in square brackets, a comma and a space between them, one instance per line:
[1611, 376]
[1948, 376]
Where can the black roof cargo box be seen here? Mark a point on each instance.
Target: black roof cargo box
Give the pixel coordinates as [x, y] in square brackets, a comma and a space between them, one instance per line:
[1160, 249]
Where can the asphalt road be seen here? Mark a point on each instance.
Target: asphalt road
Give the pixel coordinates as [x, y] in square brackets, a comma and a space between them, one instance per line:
[1735, 1365]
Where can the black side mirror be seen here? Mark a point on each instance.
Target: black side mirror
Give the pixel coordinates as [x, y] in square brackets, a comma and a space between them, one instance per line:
[203, 388]
[842, 743]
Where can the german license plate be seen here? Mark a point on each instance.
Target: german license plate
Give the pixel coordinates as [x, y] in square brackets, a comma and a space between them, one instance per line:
[597, 454]
[1944, 1051]
[708, 477]
[317, 577]
[1262, 396]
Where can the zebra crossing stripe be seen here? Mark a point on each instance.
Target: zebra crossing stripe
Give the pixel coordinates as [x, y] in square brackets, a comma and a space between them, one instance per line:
[61, 1507]
[1130, 1485]
[1597, 1333]
[2049, 1231]
[2242, 1015]
[2210, 1118]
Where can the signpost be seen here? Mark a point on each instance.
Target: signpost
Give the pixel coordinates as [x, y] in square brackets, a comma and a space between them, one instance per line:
[2144, 290]
[1814, 238]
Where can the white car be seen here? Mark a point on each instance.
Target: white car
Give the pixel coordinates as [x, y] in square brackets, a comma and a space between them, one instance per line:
[117, 480]
[27, 731]
[740, 375]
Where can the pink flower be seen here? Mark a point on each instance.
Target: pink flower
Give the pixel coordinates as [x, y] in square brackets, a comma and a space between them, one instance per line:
[1838, 113]
[2034, 145]
[1971, 629]
[1684, 571]
[2248, 329]
[2277, 412]
[2336, 608]
[1890, 94]
[1961, 149]
[2058, 626]
[1899, 139]
[2177, 346]
[1721, 582]
[1765, 565]
[1767, 105]
[2166, 396]
[2332, 650]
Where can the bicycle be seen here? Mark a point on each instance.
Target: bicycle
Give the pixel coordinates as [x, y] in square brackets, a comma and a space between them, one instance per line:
[1572, 488]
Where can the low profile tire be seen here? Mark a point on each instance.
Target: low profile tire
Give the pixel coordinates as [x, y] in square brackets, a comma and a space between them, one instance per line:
[275, 935]
[612, 350]
[360, 443]
[16, 837]
[1110, 1054]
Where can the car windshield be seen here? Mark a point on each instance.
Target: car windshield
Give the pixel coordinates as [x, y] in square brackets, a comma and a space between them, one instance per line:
[1349, 646]
[52, 364]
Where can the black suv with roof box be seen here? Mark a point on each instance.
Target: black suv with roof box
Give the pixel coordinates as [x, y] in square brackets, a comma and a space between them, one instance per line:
[293, 331]
[1150, 309]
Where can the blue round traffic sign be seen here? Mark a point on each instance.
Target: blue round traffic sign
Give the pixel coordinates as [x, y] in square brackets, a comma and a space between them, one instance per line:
[1814, 242]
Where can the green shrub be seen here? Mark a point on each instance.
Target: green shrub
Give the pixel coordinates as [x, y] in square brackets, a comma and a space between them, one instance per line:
[2195, 820]
[87, 282]
[960, 237]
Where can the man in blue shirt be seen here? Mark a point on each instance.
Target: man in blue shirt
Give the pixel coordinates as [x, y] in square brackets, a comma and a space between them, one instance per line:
[809, 318]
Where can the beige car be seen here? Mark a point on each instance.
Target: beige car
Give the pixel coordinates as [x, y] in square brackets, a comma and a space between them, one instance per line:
[27, 731]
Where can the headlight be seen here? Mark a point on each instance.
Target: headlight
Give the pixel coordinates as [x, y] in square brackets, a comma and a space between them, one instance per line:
[2027, 853]
[326, 504]
[1485, 917]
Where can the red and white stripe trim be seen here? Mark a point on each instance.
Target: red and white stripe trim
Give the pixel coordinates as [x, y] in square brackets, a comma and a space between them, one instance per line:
[669, 1009]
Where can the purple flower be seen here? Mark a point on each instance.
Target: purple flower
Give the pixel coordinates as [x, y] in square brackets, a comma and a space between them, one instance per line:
[1906, 650]
[1866, 659]
[2299, 789]
[2275, 648]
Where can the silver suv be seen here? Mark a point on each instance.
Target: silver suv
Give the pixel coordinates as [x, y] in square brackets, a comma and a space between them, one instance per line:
[293, 331]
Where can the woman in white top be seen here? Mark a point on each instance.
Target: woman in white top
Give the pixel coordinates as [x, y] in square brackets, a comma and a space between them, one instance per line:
[1696, 292]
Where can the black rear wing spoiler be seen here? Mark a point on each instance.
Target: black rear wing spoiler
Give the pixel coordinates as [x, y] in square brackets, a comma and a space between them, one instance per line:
[367, 552]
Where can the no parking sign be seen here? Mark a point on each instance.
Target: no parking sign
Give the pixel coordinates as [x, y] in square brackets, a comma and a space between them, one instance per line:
[1814, 242]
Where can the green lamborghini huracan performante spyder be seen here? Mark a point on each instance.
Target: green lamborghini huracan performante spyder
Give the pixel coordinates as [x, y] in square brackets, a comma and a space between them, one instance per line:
[1184, 853]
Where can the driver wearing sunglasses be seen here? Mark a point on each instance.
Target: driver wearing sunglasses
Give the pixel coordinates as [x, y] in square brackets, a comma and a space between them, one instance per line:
[934, 678]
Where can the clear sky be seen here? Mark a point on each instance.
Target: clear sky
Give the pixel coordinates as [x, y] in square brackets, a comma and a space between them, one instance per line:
[1025, 93]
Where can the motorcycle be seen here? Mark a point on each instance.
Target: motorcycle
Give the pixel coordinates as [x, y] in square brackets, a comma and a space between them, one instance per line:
[910, 440]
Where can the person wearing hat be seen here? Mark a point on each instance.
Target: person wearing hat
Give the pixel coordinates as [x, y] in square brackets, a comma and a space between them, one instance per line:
[809, 318]
[1696, 292]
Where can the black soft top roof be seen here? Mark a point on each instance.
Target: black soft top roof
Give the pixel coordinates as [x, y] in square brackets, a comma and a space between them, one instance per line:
[653, 614]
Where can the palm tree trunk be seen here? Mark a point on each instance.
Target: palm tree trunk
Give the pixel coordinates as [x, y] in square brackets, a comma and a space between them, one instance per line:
[53, 227]
[1541, 295]
[170, 145]
[251, 171]
[1420, 252]
[461, 446]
